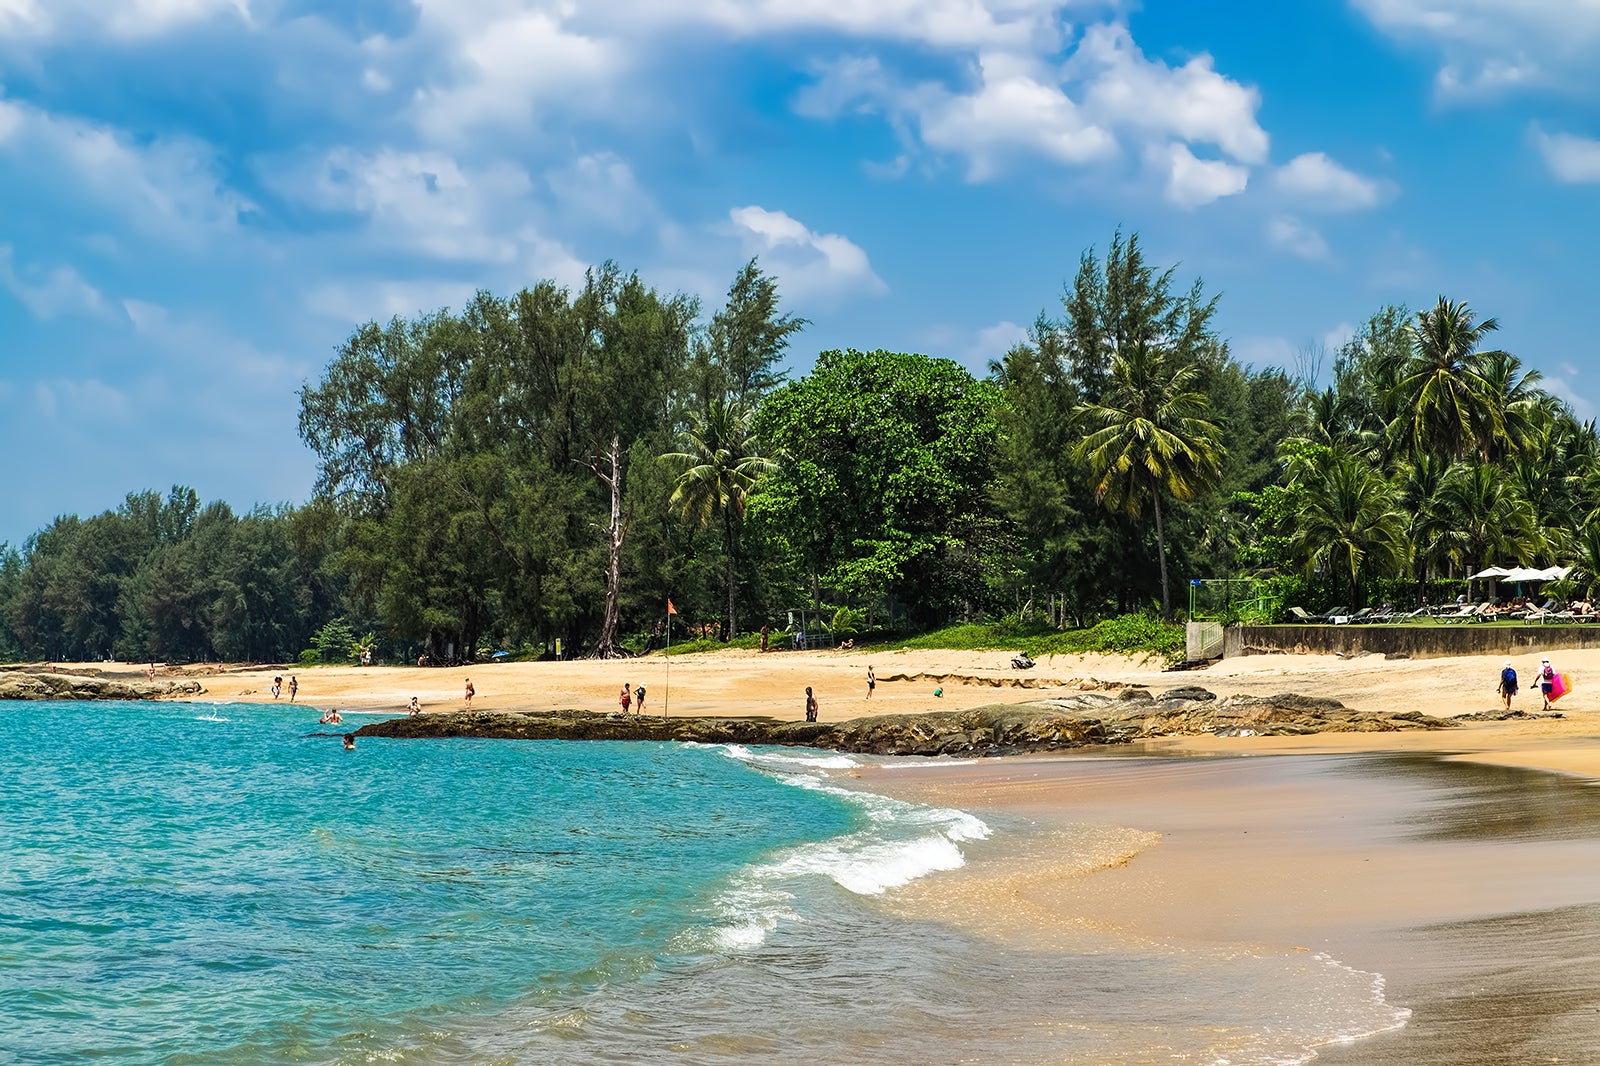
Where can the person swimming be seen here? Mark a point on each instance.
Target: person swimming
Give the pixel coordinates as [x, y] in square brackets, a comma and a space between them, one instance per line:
[349, 742]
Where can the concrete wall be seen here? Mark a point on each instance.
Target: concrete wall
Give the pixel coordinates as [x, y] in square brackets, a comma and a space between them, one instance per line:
[1413, 642]
[1203, 640]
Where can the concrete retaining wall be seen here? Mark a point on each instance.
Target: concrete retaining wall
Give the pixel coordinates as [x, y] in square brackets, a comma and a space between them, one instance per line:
[1412, 642]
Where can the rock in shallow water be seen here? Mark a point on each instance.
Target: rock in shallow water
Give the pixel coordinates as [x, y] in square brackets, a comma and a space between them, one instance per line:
[1050, 725]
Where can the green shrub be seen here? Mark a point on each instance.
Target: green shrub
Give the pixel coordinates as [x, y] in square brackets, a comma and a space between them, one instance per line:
[309, 657]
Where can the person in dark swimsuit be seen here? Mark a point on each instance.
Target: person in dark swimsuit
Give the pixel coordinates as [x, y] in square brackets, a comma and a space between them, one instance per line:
[811, 705]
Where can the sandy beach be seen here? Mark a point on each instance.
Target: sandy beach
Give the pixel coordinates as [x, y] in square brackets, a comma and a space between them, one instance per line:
[738, 682]
[1397, 853]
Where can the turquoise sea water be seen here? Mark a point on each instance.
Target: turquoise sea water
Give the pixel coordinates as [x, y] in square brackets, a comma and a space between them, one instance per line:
[198, 883]
[216, 884]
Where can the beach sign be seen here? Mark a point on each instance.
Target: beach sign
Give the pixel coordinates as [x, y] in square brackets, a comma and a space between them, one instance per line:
[1560, 687]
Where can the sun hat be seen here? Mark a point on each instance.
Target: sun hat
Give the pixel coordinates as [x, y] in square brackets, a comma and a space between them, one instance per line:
[1508, 664]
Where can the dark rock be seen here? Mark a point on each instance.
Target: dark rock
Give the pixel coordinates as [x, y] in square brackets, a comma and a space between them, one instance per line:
[1188, 692]
[1066, 722]
[19, 685]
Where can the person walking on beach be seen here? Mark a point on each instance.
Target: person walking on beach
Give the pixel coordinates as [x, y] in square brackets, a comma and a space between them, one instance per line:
[766, 635]
[294, 686]
[626, 699]
[1547, 681]
[872, 682]
[151, 672]
[277, 686]
[638, 707]
[470, 692]
[1508, 683]
[811, 705]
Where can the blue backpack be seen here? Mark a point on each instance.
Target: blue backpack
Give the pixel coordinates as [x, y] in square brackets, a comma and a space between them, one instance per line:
[1508, 676]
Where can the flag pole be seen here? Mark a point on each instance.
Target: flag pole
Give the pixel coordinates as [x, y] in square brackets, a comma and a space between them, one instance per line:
[666, 698]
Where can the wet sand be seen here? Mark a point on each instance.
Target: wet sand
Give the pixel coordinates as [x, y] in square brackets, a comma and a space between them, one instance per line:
[1473, 889]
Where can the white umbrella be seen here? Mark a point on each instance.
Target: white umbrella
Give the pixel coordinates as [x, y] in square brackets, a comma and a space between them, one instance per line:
[1557, 573]
[1493, 571]
[1522, 573]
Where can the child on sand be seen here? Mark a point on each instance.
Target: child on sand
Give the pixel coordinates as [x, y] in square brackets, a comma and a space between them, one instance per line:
[1508, 683]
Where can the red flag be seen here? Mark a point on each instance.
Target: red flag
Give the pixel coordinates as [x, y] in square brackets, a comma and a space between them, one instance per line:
[671, 609]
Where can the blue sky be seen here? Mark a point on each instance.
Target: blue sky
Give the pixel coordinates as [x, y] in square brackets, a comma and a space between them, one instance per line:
[204, 197]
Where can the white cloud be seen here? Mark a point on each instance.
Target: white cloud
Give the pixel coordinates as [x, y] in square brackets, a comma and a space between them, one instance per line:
[1318, 182]
[1106, 99]
[1264, 351]
[601, 188]
[505, 61]
[1011, 110]
[123, 18]
[53, 293]
[169, 188]
[352, 303]
[1289, 234]
[808, 263]
[1338, 336]
[995, 341]
[1192, 102]
[1571, 158]
[1192, 182]
[1491, 46]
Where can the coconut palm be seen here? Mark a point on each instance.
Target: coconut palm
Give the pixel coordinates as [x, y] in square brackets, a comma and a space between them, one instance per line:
[722, 464]
[1450, 406]
[1491, 520]
[1348, 521]
[1148, 439]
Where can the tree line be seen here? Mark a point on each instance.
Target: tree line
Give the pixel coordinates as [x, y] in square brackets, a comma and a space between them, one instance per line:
[558, 463]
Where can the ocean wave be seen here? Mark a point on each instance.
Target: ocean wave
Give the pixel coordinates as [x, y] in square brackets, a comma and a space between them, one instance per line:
[896, 843]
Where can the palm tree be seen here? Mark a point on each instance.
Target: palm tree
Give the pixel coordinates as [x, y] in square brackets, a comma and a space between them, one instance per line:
[1518, 403]
[722, 465]
[1151, 439]
[1348, 520]
[1492, 521]
[1451, 407]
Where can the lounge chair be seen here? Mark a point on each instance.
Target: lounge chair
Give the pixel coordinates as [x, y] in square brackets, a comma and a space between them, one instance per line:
[1467, 614]
[1299, 615]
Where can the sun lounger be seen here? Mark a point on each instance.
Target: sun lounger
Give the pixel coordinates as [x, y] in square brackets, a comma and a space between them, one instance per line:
[1467, 613]
[1299, 615]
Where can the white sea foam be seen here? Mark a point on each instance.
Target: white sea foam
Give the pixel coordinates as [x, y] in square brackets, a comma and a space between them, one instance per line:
[897, 843]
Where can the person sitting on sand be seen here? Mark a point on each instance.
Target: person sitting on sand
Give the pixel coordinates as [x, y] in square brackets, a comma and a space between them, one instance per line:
[416, 706]
[1508, 684]
[811, 705]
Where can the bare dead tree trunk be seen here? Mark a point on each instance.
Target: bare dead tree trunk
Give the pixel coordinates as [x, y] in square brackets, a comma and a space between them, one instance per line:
[606, 646]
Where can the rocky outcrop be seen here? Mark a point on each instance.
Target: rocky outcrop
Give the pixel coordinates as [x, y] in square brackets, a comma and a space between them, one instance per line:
[1067, 722]
[19, 685]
